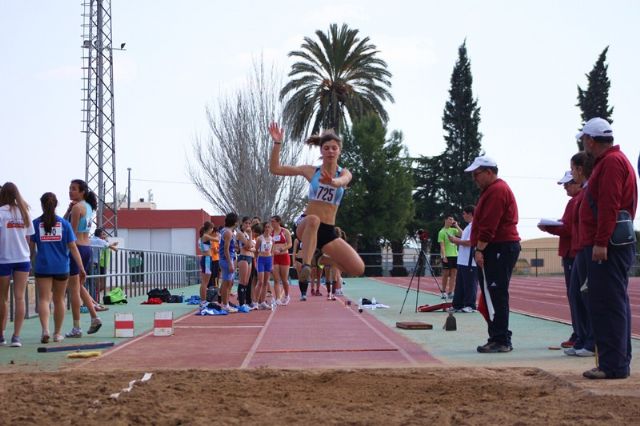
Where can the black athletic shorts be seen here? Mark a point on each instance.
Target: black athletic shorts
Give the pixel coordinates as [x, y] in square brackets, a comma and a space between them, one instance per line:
[326, 234]
[451, 263]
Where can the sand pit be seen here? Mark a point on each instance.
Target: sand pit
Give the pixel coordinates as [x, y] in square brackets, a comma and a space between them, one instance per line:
[268, 396]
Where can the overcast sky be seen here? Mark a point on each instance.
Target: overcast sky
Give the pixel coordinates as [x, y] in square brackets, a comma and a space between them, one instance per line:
[527, 58]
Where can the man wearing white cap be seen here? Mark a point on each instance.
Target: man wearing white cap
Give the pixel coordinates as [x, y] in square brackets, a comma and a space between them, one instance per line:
[565, 250]
[497, 246]
[612, 193]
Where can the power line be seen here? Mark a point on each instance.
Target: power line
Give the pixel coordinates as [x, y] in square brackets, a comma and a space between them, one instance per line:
[164, 181]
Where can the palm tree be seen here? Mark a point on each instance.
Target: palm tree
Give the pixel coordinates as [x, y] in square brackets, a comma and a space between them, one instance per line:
[338, 77]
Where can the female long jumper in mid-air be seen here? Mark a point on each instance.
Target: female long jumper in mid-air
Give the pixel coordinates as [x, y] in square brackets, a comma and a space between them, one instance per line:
[326, 188]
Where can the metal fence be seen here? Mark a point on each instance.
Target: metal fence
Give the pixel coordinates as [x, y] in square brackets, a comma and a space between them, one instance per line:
[531, 262]
[138, 271]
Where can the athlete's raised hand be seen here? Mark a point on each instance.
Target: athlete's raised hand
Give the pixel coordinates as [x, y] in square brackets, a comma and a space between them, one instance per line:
[276, 132]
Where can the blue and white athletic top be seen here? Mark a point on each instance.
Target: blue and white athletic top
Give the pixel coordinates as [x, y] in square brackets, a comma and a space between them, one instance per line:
[325, 193]
[84, 225]
[232, 246]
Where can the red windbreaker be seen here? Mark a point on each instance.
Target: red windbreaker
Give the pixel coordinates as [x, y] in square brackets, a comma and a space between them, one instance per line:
[496, 215]
[565, 231]
[612, 187]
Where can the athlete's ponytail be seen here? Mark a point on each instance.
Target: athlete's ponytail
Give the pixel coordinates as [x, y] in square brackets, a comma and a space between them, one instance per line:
[49, 202]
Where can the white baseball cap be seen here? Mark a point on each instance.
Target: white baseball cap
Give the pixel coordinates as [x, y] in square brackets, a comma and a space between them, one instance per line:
[596, 127]
[482, 161]
[568, 177]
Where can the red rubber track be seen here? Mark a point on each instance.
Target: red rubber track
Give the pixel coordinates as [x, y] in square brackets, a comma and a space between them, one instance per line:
[543, 297]
[314, 334]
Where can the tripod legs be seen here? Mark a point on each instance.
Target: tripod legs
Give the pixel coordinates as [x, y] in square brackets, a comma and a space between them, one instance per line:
[422, 259]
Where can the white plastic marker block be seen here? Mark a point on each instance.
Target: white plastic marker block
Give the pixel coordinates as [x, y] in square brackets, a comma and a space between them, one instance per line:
[123, 325]
[163, 323]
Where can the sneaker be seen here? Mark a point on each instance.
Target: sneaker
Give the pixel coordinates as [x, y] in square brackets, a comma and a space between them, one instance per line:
[303, 298]
[584, 352]
[95, 326]
[75, 332]
[277, 302]
[454, 310]
[45, 338]
[468, 309]
[443, 296]
[492, 348]
[15, 342]
[100, 308]
[305, 273]
[286, 300]
[595, 373]
[449, 296]
[570, 352]
[263, 306]
[57, 338]
[338, 292]
[230, 309]
[3, 341]
[567, 344]
[254, 306]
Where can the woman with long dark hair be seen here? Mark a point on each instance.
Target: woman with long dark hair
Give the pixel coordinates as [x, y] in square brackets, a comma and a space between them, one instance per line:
[326, 188]
[281, 260]
[79, 214]
[55, 242]
[15, 229]
[228, 258]
[264, 247]
[245, 261]
[204, 243]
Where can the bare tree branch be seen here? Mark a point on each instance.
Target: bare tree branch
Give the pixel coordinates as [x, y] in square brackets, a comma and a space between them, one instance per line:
[231, 167]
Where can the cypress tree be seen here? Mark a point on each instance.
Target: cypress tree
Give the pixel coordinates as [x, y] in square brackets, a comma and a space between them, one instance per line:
[594, 102]
[460, 121]
[442, 185]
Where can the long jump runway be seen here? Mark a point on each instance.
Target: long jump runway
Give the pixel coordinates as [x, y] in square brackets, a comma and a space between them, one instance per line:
[542, 297]
[314, 334]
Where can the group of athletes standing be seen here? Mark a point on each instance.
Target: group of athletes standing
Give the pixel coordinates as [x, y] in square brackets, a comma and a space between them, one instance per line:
[58, 249]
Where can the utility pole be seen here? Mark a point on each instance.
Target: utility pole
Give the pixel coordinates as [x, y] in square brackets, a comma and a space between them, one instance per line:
[129, 189]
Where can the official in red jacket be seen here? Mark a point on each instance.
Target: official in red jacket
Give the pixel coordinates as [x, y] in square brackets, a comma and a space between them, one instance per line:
[612, 188]
[564, 245]
[497, 246]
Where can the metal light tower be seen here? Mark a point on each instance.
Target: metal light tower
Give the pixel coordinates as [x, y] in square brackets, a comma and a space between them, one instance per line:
[98, 110]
